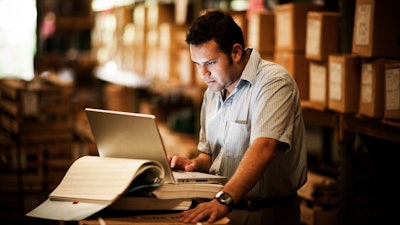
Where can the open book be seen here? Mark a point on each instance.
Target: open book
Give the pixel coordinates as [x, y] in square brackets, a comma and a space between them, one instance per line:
[96, 179]
[93, 183]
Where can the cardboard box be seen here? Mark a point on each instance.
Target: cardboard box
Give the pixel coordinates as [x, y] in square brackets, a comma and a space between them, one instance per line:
[172, 36]
[297, 65]
[269, 55]
[318, 216]
[140, 32]
[376, 28]
[140, 50]
[392, 90]
[186, 68]
[290, 25]
[153, 44]
[37, 110]
[344, 82]
[322, 37]
[140, 15]
[171, 54]
[318, 87]
[158, 13]
[261, 30]
[372, 87]
[320, 190]
[240, 18]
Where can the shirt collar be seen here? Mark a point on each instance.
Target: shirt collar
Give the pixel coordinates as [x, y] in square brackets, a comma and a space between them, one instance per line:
[249, 73]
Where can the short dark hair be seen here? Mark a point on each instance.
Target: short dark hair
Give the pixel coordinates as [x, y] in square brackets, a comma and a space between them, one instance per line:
[216, 25]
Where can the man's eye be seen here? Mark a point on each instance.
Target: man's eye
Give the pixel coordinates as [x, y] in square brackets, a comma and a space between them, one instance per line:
[211, 62]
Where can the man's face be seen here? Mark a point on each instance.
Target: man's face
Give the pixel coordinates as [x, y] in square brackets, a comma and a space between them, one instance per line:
[213, 65]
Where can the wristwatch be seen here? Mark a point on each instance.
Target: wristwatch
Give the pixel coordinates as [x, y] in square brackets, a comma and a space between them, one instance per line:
[224, 198]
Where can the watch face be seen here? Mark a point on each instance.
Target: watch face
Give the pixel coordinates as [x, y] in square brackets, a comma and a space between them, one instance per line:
[224, 198]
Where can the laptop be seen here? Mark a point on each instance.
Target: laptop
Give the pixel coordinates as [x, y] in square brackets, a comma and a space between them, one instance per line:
[137, 136]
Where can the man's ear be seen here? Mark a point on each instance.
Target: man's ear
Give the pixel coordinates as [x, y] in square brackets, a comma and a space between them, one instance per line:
[237, 51]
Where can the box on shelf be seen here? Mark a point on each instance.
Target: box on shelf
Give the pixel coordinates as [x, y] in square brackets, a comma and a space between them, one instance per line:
[290, 25]
[140, 53]
[22, 163]
[118, 97]
[392, 90]
[297, 65]
[376, 28]
[37, 110]
[58, 158]
[186, 68]
[240, 18]
[140, 15]
[319, 189]
[267, 55]
[261, 30]
[322, 36]
[319, 92]
[344, 82]
[158, 13]
[123, 16]
[315, 215]
[372, 87]
[319, 200]
[152, 45]
[173, 53]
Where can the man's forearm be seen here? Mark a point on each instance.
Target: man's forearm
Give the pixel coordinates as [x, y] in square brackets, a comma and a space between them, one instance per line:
[202, 162]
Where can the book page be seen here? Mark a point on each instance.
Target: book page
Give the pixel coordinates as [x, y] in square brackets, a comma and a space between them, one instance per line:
[103, 179]
[187, 190]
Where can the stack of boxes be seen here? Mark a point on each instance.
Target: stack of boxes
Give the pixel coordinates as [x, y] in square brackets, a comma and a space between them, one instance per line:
[261, 35]
[156, 14]
[366, 81]
[322, 39]
[319, 200]
[140, 36]
[376, 40]
[164, 49]
[37, 141]
[290, 41]
[344, 82]
[38, 117]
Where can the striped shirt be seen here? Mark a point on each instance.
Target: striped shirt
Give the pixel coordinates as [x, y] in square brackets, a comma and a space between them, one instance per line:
[265, 103]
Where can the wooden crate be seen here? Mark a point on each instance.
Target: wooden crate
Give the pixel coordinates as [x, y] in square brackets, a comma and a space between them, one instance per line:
[58, 158]
[317, 215]
[37, 110]
[319, 189]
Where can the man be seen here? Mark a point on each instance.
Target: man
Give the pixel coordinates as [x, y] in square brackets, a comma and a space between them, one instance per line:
[252, 129]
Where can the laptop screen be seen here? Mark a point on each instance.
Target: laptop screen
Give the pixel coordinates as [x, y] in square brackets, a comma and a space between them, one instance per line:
[128, 135]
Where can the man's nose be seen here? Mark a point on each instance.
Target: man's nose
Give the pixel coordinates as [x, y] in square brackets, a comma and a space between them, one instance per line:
[204, 71]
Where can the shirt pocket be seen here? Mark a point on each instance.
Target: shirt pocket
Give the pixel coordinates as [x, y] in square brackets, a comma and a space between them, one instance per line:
[237, 140]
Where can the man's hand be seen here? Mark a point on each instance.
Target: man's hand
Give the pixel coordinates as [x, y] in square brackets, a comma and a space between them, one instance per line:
[181, 163]
[206, 212]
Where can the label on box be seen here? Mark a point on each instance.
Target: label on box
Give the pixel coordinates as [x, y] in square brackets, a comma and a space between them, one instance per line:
[392, 89]
[185, 67]
[254, 34]
[314, 27]
[362, 24]
[366, 83]
[335, 81]
[317, 82]
[284, 29]
[30, 103]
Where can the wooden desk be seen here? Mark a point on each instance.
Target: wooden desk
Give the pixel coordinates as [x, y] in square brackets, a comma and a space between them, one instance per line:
[148, 219]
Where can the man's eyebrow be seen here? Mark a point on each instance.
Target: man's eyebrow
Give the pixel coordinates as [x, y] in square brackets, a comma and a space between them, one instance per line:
[205, 62]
